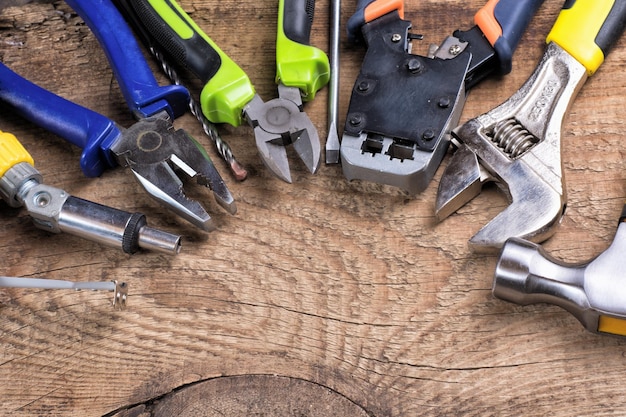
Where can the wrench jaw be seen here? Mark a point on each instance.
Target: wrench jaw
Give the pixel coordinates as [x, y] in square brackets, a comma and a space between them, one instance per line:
[281, 122]
[535, 211]
[517, 146]
[152, 148]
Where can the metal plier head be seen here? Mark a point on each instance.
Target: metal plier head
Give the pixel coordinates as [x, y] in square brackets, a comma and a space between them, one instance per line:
[280, 122]
[152, 148]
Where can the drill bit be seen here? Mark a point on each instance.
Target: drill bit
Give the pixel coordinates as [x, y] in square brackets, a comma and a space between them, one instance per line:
[120, 289]
[238, 171]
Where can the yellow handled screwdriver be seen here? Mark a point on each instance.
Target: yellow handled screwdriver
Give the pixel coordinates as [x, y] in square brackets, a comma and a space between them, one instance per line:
[56, 211]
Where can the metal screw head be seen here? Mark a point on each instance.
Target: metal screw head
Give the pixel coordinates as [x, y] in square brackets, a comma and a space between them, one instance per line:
[455, 49]
[396, 37]
[444, 102]
[355, 119]
[414, 65]
[428, 135]
[363, 86]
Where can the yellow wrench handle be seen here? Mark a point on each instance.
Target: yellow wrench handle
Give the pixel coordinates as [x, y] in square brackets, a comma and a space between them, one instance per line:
[587, 29]
[12, 153]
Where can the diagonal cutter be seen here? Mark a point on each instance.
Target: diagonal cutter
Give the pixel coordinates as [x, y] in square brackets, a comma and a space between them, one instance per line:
[228, 95]
[152, 148]
[517, 145]
[404, 105]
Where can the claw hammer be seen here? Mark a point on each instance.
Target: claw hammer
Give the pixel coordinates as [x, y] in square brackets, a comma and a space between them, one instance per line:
[594, 292]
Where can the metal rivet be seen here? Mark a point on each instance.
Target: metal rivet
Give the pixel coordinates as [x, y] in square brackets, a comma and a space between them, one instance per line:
[414, 65]
[428, 135]
[363, 86]
[455, 49]
[395, 38]
[444, 102]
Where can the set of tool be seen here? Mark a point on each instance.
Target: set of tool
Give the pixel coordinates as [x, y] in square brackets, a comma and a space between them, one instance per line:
[404, 112]
[228, 95]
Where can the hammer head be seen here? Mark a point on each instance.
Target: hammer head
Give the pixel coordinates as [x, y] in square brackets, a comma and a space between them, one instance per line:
[593, 291]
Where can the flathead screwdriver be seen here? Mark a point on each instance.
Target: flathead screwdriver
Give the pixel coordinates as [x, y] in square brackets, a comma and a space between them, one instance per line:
[120, 289]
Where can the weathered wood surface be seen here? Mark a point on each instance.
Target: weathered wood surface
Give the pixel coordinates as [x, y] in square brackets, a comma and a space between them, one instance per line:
[351, 286]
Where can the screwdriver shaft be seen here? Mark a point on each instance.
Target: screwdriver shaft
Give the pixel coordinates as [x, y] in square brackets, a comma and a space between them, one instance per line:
[120, 288]
[332, 142]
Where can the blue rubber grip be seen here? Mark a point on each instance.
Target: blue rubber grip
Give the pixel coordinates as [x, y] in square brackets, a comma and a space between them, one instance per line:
[357, 20]
[514, 17]
[84, 128]
[140, 88]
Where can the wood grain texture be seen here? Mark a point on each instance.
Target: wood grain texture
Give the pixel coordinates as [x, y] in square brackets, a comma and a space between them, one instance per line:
[352, 286]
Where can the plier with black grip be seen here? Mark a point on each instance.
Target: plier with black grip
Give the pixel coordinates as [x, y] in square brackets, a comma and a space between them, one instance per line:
[403, 106]
[152, 148]
[228, 95]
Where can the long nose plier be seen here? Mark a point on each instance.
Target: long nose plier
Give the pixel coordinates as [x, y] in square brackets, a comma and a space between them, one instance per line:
[152, 148]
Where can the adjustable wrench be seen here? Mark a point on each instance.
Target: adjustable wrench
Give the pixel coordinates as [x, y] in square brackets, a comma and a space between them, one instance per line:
[517, 144]
[594, 292]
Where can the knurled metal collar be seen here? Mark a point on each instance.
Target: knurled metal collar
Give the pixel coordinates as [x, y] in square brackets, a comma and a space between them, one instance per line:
[15, 179]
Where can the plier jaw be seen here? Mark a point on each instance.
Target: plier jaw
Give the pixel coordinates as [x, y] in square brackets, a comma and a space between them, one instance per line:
[153, 149]
[281, 122]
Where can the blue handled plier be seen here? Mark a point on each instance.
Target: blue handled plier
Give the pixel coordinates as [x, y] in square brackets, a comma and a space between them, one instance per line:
[152, 147]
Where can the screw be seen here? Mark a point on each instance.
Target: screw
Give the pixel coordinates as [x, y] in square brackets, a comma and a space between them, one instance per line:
[363, 86]
[428, 135]
[414, 65]
[396, 37]
[356, 119]
[455, 49]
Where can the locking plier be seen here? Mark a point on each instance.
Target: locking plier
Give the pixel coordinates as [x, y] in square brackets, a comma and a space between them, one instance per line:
[152, 148]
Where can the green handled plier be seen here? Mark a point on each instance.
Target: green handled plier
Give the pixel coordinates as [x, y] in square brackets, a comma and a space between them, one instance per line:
[228, 96]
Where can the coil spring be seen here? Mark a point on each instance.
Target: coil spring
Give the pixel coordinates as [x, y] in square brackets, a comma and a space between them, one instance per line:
[510, 136]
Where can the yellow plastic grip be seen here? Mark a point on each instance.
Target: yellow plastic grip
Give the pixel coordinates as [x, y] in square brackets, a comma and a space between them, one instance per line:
[576, 29]
[12, 153]
[612, 325]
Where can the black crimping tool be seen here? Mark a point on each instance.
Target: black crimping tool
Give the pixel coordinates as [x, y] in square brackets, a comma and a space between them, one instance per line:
[404, 106]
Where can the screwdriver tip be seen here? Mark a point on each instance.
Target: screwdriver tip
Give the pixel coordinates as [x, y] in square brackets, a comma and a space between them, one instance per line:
[332, 146]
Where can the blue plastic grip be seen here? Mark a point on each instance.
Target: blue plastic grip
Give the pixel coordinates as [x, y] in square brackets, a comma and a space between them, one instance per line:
[357, 20]
[140, 88]
[84, 128]
[514, 17]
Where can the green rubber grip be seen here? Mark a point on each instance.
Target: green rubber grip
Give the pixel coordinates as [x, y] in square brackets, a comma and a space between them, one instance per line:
[588, 29]
[298, 64]
[227, 89]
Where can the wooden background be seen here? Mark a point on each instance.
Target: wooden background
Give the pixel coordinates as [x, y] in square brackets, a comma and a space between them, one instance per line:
[348, 287]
